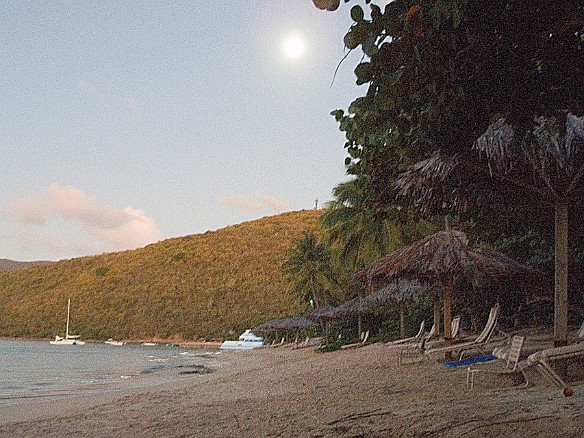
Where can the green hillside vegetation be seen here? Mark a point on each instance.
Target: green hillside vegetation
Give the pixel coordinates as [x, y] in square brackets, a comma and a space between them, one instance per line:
[210, 285]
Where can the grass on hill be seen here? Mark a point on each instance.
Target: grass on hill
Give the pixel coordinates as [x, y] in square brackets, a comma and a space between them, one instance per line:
[210, 285]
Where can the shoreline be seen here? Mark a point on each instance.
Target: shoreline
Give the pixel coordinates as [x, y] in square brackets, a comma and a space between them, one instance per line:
[287, 392]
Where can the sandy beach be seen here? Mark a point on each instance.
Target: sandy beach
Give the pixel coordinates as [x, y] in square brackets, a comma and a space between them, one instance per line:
[285, 392]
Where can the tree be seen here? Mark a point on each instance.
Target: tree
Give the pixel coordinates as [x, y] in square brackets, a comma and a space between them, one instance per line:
[360, 236]
[439, 73]
[310, 268]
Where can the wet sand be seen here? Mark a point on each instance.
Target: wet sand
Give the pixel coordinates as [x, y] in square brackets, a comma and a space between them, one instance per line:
[286, 392]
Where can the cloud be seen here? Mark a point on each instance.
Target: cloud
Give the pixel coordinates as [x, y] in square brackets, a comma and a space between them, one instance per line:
[116, 229]
[258, 202]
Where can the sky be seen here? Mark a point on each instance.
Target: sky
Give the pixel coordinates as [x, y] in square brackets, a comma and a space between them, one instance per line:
[124, 123]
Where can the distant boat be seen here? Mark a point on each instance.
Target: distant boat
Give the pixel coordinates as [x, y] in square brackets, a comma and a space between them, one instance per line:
[110, 341]
[68, 339]
[247, 341]
[149, 344]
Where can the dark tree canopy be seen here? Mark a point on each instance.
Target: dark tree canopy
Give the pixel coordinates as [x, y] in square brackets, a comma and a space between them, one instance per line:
[439, 75]
[440, 72]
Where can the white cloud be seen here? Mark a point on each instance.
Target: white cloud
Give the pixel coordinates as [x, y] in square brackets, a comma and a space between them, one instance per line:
[258, 202]
[103, 225]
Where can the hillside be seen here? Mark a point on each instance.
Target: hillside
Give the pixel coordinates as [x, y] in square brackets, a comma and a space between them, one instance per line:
[205, 285]
[6, 264]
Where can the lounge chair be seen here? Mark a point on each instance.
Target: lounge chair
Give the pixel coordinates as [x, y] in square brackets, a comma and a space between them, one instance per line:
[477, 344]
[364, 338]
[311, 342]
[541, 360]
[412, 339]
[413, 352]
[303, 343]
[511, 358]
[454, 331]
[279, 344]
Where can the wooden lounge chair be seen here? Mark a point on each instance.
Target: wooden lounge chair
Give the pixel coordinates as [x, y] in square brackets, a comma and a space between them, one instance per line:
[477, 344]
[412, 339]
[510, 356]
[364, 338]
[542, 359]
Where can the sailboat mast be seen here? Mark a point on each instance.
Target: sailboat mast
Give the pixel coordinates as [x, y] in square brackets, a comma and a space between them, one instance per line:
[67, 329]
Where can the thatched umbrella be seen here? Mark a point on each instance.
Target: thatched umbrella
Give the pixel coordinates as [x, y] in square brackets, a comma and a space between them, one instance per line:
[400, 291]
[350, 309]
[445, 258]
[317, 314]
[346, 310]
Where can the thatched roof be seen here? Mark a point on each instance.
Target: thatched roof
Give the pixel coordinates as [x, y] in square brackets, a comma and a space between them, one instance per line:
[321, 310]
[441, 256]
[346, 310]
[291, 323]
[399, 291]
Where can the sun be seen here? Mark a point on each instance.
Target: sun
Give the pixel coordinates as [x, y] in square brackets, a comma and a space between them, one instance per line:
[293, 46]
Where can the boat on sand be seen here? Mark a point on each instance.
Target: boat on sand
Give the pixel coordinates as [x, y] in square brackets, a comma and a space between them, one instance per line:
[247, 341]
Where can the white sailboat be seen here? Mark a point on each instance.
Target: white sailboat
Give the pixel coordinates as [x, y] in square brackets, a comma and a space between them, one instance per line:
[68, 339]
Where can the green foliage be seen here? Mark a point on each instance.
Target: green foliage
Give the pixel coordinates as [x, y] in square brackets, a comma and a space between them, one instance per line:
[309, 267]
[101, 271]
[195, 286]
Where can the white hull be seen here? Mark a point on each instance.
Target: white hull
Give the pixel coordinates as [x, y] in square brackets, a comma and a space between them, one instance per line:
[112, 342]
[247, 341]
[63, 341]
[236, 345]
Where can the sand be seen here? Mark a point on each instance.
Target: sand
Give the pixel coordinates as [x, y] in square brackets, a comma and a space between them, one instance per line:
[286, 392]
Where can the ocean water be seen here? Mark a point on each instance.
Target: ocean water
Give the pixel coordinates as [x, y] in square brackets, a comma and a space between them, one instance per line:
[33, 369]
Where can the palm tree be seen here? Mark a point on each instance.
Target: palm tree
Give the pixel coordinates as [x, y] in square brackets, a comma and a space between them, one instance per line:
[361, 236]
[310, 268]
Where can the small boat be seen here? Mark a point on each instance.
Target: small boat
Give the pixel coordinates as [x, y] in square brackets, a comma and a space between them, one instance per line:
[110, 341]
[150, 344]
[68, 339]
[247, 341]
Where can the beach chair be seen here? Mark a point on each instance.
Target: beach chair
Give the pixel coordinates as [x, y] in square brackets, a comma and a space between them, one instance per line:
[279, 344]
[412, 339]
[303, 343]
[311, 342]
[454, 331]
[455, 327]
[477, 344]
[510, 356]
[364, 338]
[542, 360]
[413, 352]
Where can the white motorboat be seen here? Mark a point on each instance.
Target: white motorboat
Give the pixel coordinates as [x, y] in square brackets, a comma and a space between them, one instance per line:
[247, 341]
[68, 339]
[110, 341]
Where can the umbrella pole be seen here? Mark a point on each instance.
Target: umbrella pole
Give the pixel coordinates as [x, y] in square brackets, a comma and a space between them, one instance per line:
[437, 316]
[447, 290]
[401, 321]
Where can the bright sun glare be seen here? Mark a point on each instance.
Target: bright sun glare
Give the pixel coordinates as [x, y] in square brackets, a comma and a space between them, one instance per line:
[293, 46]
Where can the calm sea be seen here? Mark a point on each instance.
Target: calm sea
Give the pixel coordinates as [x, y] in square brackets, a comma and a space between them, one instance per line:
[32, 369]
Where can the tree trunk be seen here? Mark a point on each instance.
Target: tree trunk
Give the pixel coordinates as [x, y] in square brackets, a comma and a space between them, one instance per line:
[561, 274]
[402, 328]
[437, 317]
[447, 291]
